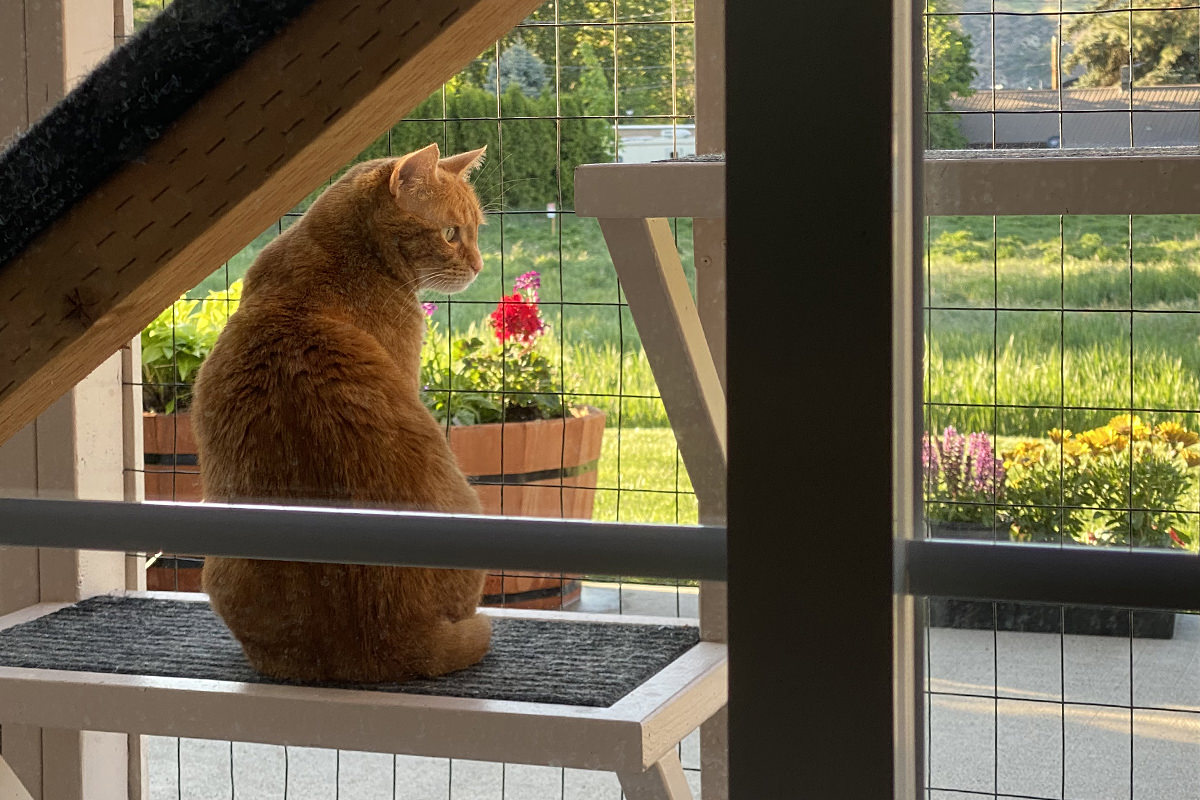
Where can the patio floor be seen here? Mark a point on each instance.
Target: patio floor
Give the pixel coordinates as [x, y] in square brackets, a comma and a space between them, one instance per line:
[1043, 715]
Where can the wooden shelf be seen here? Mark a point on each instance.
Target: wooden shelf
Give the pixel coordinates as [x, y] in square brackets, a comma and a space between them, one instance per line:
[660, 189]
[635, 735]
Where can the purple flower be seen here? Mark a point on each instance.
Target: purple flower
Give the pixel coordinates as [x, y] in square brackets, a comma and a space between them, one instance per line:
[429, 308]
[953, 447]
[930, 463]
[528, 280]
[986, 472]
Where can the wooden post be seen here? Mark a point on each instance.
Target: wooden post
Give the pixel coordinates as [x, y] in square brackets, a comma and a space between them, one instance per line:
[709, 249]
[76, 448]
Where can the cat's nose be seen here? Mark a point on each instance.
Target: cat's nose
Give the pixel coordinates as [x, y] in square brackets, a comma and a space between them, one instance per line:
[477, 264]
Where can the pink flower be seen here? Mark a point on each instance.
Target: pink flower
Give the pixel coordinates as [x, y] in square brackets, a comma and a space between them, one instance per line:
[528, 280]
[429, 308]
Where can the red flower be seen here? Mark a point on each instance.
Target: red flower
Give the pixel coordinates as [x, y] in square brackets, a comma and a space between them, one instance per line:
[517, 318]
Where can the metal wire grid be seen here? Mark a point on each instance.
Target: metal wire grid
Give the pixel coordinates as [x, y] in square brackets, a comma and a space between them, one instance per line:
[1067, 412]
[988, 734]
[1111, 747]
[240, 770]
[670, 485]
[949, 699]
[1075, 124]
[675, 16]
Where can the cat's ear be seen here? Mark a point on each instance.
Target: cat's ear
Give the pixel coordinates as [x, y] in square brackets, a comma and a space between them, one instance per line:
[463, 163]
[415, 167]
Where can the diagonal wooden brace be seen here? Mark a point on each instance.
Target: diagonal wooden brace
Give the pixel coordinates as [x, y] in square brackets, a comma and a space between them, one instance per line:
[648, 265]
[295, 112]
[11, 787]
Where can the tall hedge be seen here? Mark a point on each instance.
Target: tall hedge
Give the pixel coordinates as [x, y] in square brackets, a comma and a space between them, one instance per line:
[523, 136]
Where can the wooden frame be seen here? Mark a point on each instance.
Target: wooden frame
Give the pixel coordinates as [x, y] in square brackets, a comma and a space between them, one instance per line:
[632, 203]
[324, 87]
[635, 737]
[1000, 182]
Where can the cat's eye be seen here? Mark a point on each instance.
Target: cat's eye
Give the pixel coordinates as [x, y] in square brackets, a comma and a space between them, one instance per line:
[449, 234]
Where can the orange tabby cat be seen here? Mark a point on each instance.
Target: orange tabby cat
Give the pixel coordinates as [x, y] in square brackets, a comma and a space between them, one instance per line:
[311, 395]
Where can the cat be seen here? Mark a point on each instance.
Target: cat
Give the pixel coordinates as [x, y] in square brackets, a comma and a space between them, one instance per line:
[311, 396]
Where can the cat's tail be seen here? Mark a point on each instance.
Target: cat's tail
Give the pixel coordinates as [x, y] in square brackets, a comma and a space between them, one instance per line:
[450, 646]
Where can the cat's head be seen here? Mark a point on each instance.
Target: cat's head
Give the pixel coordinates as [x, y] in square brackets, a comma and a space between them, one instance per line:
[434, 192]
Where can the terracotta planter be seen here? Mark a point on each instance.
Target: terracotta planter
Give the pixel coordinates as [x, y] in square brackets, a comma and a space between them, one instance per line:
[543, 468]
[172, 469]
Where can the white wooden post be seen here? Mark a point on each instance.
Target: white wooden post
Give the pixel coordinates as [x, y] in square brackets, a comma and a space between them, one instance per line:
[76, 449]
[709, 251]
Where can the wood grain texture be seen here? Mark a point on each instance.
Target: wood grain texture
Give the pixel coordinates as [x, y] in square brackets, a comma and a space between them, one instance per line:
[295, 112]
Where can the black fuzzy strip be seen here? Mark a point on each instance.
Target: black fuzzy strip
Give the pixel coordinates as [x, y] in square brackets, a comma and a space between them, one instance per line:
[125, 104]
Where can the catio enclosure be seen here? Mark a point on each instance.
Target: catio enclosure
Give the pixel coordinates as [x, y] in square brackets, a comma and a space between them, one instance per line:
[563, 88]
[1061, 315]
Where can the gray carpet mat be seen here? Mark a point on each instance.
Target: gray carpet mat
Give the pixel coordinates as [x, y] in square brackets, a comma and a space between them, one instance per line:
[572, 663]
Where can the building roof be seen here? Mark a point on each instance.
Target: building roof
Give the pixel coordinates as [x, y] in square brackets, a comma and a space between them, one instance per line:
[1106, 116]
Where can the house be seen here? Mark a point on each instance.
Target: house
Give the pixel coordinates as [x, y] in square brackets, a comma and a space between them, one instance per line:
[1104, 116]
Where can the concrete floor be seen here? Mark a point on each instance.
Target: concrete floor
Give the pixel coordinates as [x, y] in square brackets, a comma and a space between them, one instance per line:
[1048, 716]
[195, 769]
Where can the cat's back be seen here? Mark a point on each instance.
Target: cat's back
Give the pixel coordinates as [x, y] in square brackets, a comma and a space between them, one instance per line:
[296, 403]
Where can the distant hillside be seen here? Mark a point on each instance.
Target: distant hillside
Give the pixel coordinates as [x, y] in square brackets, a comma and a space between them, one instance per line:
[1022, 44]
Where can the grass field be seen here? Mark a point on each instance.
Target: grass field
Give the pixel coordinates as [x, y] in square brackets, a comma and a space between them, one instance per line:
[1041, 324]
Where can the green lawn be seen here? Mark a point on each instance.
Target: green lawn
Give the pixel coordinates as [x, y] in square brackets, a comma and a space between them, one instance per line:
[1088, 317]
[642, 479]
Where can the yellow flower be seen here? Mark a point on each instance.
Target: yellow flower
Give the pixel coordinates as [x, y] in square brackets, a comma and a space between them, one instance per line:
[1073, 448]
[1099, 438]
[1125, 424]
[1024, 453]
[1175, 433]
[1058, 436]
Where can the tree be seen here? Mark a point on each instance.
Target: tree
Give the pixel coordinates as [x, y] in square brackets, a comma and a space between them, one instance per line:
[949, 72]
[519, 66]
[1164, 46]
[146, 10]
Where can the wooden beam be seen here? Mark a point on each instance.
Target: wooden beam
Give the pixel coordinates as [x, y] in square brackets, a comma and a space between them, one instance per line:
[708, 238]
[296, 111]
[660, 189]
[11, 787]
[1159, 180]
[14, 112]
[643, 252]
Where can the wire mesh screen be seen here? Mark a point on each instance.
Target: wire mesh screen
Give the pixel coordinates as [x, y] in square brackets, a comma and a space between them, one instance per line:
[1024, 710]
[1061, 403]
[577, 82]
[1062, 73]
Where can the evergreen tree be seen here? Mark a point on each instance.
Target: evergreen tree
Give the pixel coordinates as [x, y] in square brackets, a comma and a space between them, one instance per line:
[519, 66]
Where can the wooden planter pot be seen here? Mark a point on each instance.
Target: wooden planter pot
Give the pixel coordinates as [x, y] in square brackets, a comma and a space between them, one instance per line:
[172, 472]
[543, 468]
[172, 469]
